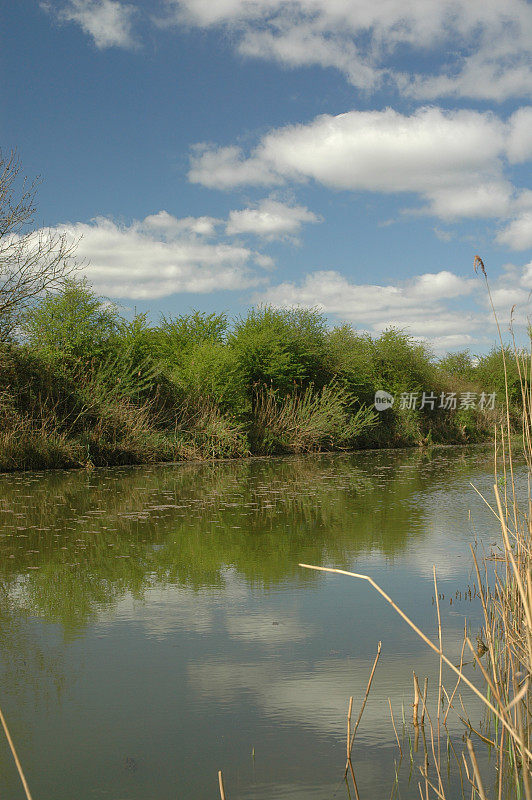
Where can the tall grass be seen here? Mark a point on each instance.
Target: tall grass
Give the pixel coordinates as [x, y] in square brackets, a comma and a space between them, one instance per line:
[307, 421]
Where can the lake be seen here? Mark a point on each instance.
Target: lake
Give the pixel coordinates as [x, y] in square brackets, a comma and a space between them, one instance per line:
[156, 627]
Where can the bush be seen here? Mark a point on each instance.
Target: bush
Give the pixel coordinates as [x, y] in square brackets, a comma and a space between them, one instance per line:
[458, 365]
[89, 387]
[176, 334]
[489, 373]
[72, 325]
[400, 364]
[280, 347]
[211, 434]
[209, 372]
[350, 360]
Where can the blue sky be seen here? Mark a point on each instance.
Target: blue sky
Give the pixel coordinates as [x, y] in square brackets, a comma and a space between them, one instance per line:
[345, 154]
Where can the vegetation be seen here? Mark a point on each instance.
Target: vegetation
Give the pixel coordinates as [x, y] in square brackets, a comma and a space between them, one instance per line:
[80, 385]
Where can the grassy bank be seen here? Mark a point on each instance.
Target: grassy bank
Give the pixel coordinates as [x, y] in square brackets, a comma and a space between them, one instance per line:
[81, 385]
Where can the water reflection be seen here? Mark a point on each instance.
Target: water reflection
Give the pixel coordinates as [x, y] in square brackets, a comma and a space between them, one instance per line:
[72, 542]
[157, 617]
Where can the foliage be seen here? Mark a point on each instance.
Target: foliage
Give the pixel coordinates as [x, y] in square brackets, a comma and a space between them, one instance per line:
[307, 421]
[72, 325]
[490, 372]
[350, 356]
[176, 334]
[401, 364]
[280, 347]
[458, 365]
[209, 371]
[87, 386]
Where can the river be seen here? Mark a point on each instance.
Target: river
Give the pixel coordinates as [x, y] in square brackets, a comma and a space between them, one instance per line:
[156, 627]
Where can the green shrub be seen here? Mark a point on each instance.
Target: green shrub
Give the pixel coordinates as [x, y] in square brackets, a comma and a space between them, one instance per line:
[72, 325]
[88, 387]
[280, 347]
[350, 359]
[176, 334]
[457, 365]
[211, 434]
[489, 373]
[209, 372]
[401, 364]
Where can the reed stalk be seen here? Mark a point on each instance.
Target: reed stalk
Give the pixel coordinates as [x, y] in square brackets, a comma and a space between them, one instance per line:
[15, 757]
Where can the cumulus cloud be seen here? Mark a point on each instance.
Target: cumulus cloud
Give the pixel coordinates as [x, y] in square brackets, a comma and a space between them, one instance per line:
[108, 22]
[162, 255]
[487, 199]
[518, 234]
[454, 160]
[519, 144]
[169, 226]
[427, 305]
[478, 49]
[225, 167]
[443, 308]
[366, 150]
[270, 219]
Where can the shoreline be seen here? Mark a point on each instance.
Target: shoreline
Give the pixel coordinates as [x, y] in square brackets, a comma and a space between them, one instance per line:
[252, 457]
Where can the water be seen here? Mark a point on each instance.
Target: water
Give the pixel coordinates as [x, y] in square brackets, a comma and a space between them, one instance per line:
[156, 627]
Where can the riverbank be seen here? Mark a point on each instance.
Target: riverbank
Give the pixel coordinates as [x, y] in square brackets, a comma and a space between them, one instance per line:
[52, 418]
[82, 386]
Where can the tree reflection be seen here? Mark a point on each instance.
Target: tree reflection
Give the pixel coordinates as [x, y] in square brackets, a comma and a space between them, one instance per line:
[72, 543]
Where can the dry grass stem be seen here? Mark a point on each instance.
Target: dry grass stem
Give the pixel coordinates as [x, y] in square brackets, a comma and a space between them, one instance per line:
[415, 704]
[428, 642]
[357, 723]
[15, 756]
[476, 771]
[394, 728]
[221, 785]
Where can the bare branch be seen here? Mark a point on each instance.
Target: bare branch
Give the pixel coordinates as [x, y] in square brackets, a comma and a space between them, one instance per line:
[31, 262]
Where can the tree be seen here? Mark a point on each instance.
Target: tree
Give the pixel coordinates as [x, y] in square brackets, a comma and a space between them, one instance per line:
[278, 347]
[72, 324]
[31, 261]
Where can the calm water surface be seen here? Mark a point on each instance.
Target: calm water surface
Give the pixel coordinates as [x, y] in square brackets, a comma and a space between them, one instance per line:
[155, 626]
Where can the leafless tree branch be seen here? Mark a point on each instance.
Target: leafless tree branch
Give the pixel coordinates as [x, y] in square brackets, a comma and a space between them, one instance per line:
[30, 261]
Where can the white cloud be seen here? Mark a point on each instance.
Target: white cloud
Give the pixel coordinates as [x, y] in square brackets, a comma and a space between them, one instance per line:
[224, 167]
[382, 151]
[454, 159]
[479, 49]
[419, 305]
[270, 219]
[488, 199]
[108, 22]
[169, 226]
[518, 234]
[161, 255]
[520, 140]
[443, 308]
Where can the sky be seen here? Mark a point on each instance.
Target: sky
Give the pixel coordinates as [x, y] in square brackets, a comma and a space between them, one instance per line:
[349, 155]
